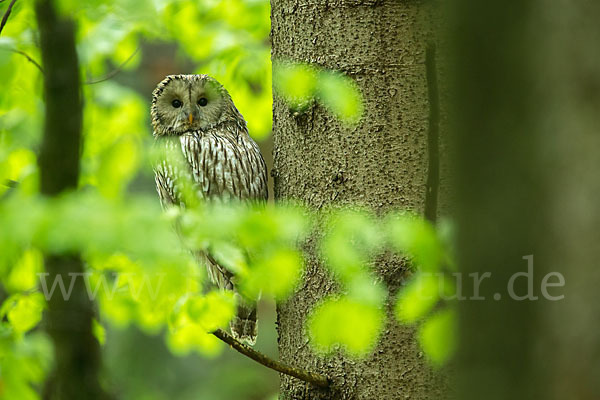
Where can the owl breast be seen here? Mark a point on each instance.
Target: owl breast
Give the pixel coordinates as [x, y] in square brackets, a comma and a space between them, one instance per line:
[221, 166]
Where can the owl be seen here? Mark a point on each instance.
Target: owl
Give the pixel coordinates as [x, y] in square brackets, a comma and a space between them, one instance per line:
[194, 113]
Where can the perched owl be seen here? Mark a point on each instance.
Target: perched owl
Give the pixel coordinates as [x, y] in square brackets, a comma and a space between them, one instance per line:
[196, 113]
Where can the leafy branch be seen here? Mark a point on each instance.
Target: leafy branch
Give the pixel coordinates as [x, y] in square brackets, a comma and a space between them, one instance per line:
[108, 76]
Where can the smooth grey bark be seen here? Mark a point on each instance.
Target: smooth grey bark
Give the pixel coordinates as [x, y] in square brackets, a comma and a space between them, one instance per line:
[380, 163]
[527, 152]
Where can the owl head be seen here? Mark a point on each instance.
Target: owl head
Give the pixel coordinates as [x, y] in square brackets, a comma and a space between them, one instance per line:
[182, 103]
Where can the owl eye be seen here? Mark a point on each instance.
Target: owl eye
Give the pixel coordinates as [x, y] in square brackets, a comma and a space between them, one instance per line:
[176, 103]
[202, 101]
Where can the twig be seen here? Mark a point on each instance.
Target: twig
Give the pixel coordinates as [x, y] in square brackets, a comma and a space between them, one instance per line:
[310, 377]
[433, 173]
[31, 60]
[4, 20]
[6, 14]
[114, 72]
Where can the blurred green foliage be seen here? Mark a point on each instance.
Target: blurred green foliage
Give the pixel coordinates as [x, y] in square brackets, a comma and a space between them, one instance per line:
[139, 269]
[23, 311]
[438, 336]
[346, 322]
[301, 84]
[353, 241]
[23, 363]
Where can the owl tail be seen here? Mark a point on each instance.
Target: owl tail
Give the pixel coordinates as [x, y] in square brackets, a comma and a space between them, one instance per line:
[244, 325]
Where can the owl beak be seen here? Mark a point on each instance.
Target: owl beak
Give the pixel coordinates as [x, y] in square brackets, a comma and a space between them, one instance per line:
[190, 118]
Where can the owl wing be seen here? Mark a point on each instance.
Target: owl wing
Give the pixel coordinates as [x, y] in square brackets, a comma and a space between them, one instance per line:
[165, 186]
[224, 166]
[166, 176]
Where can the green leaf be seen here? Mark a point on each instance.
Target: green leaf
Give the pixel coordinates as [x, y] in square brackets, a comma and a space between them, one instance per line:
[340, 95]
[188, 338]
[23, 276]
[347, 323]
[352, 237]
[276, 273]
[193, 321]
[229, 256]
[417, 238]
[16, 166]
[26, 312]
[297, 83]
[438, 336]
[418, 297]
[212, 311]
[364, 288]
[263, 227]
[24, 362]
[99, 331]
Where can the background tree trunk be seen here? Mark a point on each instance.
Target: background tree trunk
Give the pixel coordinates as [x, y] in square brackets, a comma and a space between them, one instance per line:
[528, 141]
[380, 163]
[68, 321]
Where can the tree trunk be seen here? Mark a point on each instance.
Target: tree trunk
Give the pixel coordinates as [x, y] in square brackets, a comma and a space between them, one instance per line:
[527, 140]
[381, 163]
[68, 321]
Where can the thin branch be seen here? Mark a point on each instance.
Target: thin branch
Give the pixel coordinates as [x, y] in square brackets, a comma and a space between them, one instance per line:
[4, 20]
[31, 60]
[310, 377]
[6, 14]
[114, 72]
[433, 173]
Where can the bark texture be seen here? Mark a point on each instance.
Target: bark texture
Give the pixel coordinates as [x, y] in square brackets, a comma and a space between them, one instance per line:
[380, 163]
[528, 93]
